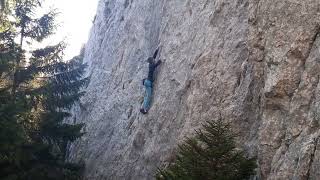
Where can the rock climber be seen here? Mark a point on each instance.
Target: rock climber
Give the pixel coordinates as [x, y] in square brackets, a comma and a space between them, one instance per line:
[148, 82]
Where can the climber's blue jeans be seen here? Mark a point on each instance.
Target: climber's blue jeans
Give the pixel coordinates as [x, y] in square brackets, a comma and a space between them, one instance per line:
[148, 95]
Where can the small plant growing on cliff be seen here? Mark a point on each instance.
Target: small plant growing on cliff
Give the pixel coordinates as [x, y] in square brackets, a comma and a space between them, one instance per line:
[211, 154]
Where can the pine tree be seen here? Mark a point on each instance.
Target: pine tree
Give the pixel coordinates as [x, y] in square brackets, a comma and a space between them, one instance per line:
[37, 91]
[211, 154]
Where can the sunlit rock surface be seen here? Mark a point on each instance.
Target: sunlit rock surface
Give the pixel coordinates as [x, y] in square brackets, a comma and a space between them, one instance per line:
[253, 63]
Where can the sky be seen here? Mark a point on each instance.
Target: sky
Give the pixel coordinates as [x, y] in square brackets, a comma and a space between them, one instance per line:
[74, 20]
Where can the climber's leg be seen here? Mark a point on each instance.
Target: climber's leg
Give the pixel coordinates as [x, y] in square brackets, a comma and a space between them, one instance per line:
[148, 95]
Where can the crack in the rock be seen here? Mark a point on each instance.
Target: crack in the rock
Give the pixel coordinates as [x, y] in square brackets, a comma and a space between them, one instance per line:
[312, 156]
[205, 5]
[312, 44]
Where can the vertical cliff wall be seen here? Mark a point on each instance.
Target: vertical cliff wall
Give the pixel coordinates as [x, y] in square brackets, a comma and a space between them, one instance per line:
[253, 63]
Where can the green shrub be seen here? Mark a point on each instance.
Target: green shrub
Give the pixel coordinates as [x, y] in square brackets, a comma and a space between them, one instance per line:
[211, 154]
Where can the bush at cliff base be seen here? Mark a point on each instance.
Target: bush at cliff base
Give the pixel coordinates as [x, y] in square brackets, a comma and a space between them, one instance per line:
[211, 154]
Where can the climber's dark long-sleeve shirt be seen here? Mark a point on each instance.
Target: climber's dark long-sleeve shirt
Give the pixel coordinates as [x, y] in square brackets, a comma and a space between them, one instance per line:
[152, 68]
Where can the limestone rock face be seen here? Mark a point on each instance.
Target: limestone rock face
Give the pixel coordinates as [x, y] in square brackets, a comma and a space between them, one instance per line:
[253, 63]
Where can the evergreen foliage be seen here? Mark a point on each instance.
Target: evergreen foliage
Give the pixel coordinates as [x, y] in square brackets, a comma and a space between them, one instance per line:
[37, 90]
[211, 155]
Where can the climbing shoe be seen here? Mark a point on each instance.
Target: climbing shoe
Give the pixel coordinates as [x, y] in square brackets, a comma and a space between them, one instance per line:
[143, 111]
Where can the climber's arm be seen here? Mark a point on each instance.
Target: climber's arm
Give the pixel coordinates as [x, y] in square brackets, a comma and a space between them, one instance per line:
[158, 63]
[155, 53]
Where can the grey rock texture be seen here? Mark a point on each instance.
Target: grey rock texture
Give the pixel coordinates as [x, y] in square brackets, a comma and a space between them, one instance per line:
[253, 63]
